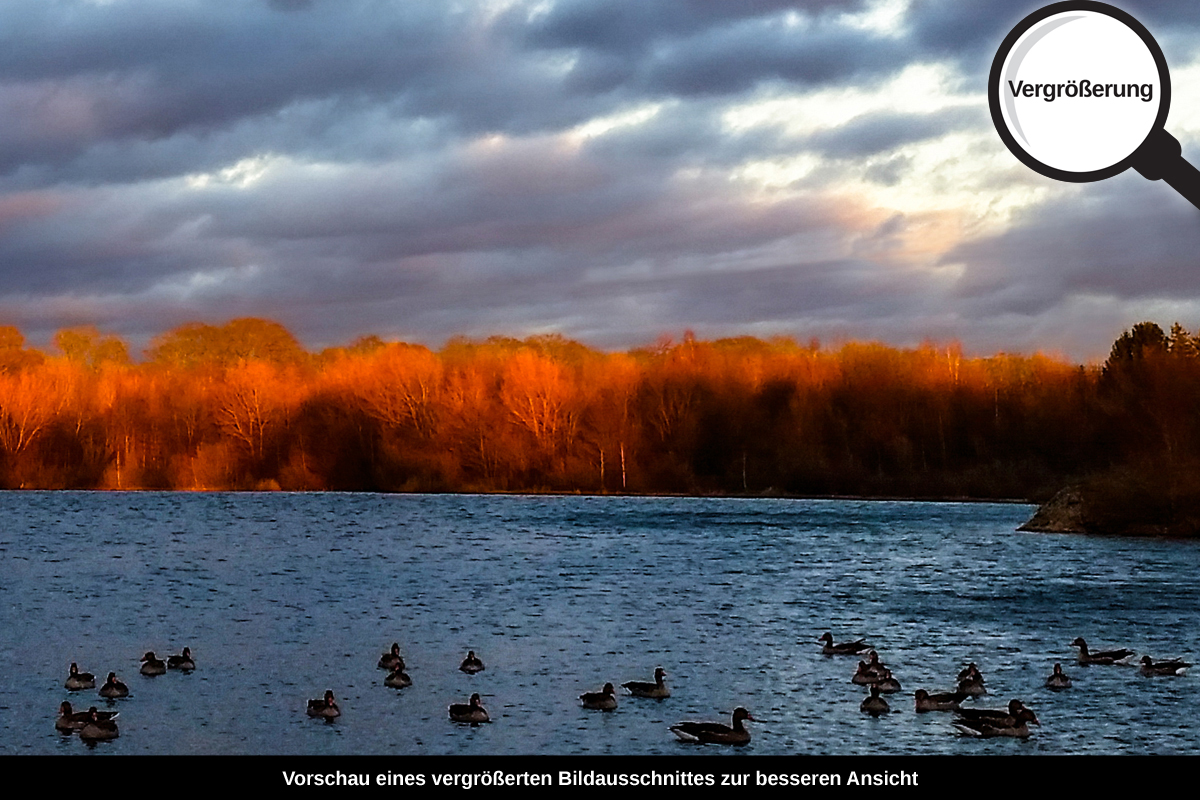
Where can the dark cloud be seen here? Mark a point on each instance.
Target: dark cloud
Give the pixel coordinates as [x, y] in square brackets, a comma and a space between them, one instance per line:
[628, 28]
[425, 169]
[1127, 239]
[880, 132]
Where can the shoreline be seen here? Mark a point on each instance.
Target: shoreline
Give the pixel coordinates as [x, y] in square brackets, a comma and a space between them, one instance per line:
[548, 493]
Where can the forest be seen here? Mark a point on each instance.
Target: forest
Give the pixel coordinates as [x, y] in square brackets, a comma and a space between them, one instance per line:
[242, 406]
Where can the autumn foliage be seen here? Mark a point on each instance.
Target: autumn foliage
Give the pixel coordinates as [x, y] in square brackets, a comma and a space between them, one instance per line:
[243, 406]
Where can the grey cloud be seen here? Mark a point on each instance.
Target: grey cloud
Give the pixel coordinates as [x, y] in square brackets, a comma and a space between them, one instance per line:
[875, 133]
[1127, 238]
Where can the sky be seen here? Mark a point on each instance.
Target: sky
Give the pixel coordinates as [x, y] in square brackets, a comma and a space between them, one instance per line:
[610, 171]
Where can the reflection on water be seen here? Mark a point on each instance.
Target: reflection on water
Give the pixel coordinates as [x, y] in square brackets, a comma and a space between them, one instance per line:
[283, 596]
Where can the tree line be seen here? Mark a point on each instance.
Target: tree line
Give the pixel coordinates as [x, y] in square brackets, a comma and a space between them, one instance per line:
[244, 406]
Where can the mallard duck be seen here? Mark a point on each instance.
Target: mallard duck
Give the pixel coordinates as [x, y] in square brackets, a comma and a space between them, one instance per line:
[843, 649]
[715, 732]
[471, 664]
[97, 728]
[326, 707]
[944, 701]
[471, 712]
[77, 681]
[113, 687]
[603, 700]
[1102, 657]
[392, 660]
[657, 690]
[183, 661]
[1058, 679]
[152, 665]
[398, 679]
[874, 704]
[1175, 666]
[70, 720]
[1017, 727]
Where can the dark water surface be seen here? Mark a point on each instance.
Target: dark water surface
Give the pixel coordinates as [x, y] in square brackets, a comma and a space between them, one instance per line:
[281, 596]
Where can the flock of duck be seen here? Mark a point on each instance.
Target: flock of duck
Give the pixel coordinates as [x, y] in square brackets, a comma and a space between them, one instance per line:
[1013, 720]
[94, 725]
[473, 712]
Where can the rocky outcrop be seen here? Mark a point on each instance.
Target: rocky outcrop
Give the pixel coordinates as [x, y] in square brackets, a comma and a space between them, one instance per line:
[1063, 513]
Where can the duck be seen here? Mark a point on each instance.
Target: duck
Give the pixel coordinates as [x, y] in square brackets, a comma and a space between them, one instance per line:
[152, 665]
[886, 683]
[471, 712]
[843, 649]
[970, 682]
[471, 664]
[98, 728]
[657, 690]
[392, 660]
[77, 681]
[326, 707]
[999, 716]
[113, 687]
[1058, 679]
[869, 671]
[1016, 727]
[70, 720]
[183, 661]
[874, 704]
[603, 700]
[1175, 666]
[943, 701]
[1102, 657]
[398, 679]
[716, 732]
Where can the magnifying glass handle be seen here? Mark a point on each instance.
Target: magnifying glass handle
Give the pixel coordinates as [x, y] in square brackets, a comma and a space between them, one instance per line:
[1161, 158]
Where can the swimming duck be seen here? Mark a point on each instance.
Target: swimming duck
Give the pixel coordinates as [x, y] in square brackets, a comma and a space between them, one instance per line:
[886, 683]
[657, 690]
[471, 664]
[715, 732]
[1175, 666]
[869, 671]
[1017, 727]
[77, 680]
[325, 707]
[603, 700]
[391, 660]
[1102, 657]
[944, 701]
[183, 661]
[113, 687]
[874, 704]
[1058, 679]
[969, 671]
[472, 712]
[843, 649]
[152, 665]
[398, 679]
[97, 728]
[999, 716]
[970, 682]
[70, 720]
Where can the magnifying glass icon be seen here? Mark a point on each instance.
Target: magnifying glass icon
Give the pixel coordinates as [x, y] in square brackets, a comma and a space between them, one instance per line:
[1079, 91]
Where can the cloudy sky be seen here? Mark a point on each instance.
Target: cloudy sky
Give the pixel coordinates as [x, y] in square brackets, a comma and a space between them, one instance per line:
[612, 171]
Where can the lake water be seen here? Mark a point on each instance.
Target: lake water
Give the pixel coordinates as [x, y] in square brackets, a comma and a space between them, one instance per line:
[282, 596]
